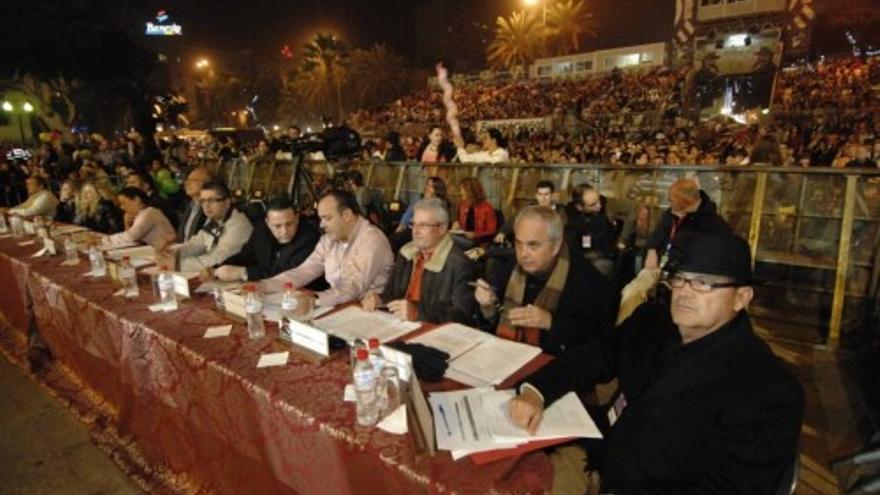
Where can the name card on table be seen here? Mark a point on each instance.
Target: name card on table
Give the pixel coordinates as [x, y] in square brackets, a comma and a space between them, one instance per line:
[49, 246]
[28, 228]
[113, 270]
[233, 302]
[182, 281]
[307, 337]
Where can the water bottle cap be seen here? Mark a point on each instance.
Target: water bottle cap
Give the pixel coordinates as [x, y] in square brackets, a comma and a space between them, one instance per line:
[126, 259]
[362, 354]
[164, 268]
[288, 285]
[250, 288]
[374, 343]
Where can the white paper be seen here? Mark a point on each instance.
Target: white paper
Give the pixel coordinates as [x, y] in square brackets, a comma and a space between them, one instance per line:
[210, 285]
[67, 229]
[354, 322]
[494, 360]
[5, 236]
[120, 292]
[452, 338]
[27, 243]
[395, 422]
[273, 359]
[349, 395]
[181, 284]
[567, 417]
[69, 262]
[321, 311]
[458, 420]
[465, 379]
[136, 252]
[308, 337]
[158, 308]
[218, 331]
[39, 253]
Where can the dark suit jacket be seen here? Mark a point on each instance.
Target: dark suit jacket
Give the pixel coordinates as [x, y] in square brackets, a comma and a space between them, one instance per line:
[719, 415]
[264, 257]
[584, 312]
[196, 225]
[705, 219]
[165, 207]
[446, 295]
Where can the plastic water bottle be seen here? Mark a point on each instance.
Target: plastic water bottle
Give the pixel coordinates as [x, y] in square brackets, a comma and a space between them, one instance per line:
[218, 299]
[254, 309]
[3, 227]
[167, 296]
[17, 227]
[96, 258]
[41, 228]
[365, 389]
[377, 361]
[71, 256]
[288, 301]
[128, 276]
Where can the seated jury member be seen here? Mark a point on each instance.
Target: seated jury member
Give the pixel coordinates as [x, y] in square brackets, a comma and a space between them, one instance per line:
[143, 223]
[280, 243]
[548, 298]
[543, 197]
[705, 406]
[353, 255]
[223, 235]
[431, 275]
[192, 218]
[40, 202]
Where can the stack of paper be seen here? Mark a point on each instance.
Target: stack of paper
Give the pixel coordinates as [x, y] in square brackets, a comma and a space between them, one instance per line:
[477, 420]
[453, 338]
[354, 322]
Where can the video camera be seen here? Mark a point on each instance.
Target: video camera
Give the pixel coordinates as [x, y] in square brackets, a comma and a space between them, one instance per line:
[334, 142]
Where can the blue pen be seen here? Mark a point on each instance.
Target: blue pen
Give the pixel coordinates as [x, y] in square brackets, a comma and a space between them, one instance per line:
[445, 422]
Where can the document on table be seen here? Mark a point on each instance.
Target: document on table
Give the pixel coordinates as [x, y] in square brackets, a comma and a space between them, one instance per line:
[354, 322]
[67, 229]
[494, 360]
[567, 417]
[135, 253]
[453, 338]
[477, 420]
[210, 285]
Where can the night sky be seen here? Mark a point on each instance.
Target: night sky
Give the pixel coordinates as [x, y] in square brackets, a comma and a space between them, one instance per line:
[269, 24]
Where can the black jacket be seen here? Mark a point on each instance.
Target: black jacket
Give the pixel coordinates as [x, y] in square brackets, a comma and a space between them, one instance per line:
[182, 234]
[584, 312]
[446, 295]
[165, 207]
[717, 416]
[107, 219]
[65, 212]
[264, 257]
[705, 219]
[591, 233]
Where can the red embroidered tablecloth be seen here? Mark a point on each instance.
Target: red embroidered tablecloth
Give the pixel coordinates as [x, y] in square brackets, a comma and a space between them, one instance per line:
[200, 407]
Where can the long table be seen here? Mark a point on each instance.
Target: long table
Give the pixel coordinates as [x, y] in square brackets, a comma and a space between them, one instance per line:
[202, 411]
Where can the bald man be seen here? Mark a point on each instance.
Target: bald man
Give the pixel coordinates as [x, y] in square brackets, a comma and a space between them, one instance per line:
[690, 209]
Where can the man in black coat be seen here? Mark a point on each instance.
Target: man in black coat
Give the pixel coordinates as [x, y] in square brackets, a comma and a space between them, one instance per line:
[431, 277]
[704, 407]
[545, 297]
[192, 218]
[690, 209]
[279, 244]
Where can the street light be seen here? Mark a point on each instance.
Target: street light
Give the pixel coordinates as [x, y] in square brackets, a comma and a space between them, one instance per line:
[27, 107]
[202, 63]
[532, 3]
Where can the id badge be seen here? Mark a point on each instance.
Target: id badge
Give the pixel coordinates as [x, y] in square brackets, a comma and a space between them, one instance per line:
[586, 241]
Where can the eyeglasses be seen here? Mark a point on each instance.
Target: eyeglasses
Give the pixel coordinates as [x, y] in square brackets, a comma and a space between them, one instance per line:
[698, 284]
[211, 201]
[421, 225]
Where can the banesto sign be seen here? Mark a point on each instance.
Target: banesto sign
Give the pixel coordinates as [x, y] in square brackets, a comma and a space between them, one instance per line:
[162, 28]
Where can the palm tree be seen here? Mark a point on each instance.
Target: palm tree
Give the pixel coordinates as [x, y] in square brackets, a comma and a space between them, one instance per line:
[377, 75]
[518, 40]
[568, 22]
[324, 70]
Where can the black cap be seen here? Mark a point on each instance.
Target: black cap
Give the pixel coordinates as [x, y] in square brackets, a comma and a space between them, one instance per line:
[716, 253]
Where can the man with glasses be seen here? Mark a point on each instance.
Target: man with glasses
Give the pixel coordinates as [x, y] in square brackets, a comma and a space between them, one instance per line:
[223, 235]
[703, 406]
[192, 217]
[353, 255]
[280, 243]
[431, 276]
[545, 297]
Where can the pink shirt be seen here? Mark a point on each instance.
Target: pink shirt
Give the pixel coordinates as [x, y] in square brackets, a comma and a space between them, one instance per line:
[352, 268]
[149, 226]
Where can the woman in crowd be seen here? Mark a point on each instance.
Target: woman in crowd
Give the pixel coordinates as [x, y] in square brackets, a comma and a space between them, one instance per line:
[476, 217]
[435, 149]
[435, 187]
[95, 212]
[143, 223]
[66, 210]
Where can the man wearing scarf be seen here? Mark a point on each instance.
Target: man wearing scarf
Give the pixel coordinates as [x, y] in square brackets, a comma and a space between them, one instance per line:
[548, 298]
[223, 235]
[431, 276]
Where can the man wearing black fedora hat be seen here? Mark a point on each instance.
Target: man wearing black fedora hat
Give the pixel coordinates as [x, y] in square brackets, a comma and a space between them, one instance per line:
[703, 406]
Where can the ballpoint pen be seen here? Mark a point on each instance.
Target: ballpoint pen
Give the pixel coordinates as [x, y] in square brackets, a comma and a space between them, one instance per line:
[445, 422]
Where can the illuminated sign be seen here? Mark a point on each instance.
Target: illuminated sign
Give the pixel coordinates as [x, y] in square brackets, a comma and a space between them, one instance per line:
[162, 28]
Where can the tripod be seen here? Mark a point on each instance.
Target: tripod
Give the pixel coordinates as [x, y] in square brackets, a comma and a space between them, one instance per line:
[300, 179]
